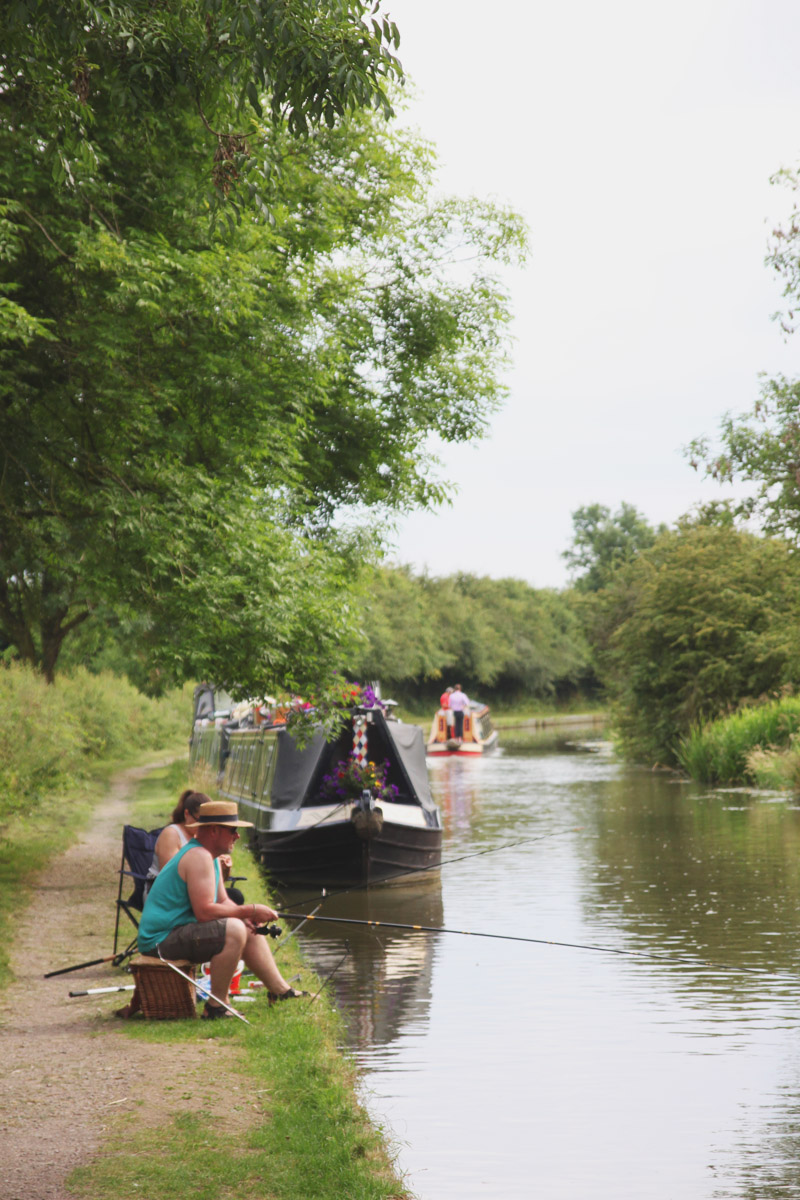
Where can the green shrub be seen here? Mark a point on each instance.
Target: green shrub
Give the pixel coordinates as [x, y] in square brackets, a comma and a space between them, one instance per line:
[735, 749]
[53, 735]
[704, 621]
[776, 768]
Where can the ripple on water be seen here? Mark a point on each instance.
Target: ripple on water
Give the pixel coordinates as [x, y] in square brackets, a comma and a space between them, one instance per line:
[517, 1069]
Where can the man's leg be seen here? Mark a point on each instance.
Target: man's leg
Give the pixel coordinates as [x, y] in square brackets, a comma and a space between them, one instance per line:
[224, 964]
[258, 957]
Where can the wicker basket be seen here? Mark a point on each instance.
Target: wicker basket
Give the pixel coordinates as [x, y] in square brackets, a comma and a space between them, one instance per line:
[162, 993]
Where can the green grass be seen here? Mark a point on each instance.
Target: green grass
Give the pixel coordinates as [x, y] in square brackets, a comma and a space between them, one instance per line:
[736, 749]
[28, 842]
[305, 1136]
[55, 737]
[59, 745]
[26, 847]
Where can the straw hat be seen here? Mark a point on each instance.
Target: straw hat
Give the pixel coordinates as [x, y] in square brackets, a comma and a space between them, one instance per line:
[218, 812]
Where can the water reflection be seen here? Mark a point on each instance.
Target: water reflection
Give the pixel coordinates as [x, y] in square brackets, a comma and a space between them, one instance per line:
[384, 981]
[518, 1069]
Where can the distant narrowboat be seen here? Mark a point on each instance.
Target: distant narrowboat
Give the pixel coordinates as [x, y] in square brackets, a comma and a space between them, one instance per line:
[479, 735]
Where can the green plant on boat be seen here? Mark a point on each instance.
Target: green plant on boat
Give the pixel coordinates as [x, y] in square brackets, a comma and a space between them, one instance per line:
[759, 744]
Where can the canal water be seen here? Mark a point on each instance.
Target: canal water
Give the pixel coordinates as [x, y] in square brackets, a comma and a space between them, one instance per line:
[519, 1069]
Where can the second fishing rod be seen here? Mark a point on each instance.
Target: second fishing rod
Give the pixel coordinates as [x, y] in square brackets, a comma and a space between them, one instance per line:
[660, 956]
[329, 894]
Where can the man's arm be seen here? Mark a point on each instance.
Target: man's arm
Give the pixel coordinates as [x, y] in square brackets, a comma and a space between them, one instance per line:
[197, 868]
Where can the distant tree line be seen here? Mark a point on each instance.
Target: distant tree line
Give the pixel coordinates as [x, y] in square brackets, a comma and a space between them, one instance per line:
[502, 639]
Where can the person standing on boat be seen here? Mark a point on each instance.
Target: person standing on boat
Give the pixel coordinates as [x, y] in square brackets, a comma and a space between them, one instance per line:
[459, 703]
[187, 913]
[444, 704]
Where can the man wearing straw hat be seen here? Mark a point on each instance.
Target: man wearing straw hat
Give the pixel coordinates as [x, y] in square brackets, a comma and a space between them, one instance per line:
[188, 914]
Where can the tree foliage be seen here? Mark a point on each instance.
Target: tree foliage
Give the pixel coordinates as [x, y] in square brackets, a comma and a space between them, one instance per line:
[183, 411]
[499, 637]
[63, 65]
[602, 542]
[762, 447]
[702, 621]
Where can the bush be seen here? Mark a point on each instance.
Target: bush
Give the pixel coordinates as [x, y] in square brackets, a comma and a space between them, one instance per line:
[776, 768]
[695, 627]
[741, 748]
[53, 735]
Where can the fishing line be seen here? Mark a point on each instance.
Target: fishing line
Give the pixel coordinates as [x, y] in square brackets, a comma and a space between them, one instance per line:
[328, 978]
[357, 887]
[296, 929]
[510, 937]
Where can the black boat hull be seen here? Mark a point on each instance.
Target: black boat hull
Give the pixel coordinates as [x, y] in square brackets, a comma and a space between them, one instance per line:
[337, 855]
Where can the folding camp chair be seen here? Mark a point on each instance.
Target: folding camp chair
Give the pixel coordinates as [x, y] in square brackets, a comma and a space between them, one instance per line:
[137, 852]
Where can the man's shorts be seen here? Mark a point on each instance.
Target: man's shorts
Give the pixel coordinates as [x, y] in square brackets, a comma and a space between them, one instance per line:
[198, 941]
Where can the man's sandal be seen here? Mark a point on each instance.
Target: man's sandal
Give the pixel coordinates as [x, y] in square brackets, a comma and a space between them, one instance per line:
[290, 994]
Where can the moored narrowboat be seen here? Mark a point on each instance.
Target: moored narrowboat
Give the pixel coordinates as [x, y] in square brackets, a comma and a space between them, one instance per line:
[354, 810]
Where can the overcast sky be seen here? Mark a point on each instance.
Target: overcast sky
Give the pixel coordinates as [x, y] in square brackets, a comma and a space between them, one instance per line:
[638, 141]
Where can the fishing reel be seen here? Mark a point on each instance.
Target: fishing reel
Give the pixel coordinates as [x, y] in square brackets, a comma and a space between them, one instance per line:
[272, 931]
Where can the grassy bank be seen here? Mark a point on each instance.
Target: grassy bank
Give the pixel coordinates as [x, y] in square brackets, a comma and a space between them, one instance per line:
[299, 1135]
[58, 747]
[755, 745]
[54, 738]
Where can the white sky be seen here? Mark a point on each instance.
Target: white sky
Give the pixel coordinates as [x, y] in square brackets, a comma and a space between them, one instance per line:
[637, 140]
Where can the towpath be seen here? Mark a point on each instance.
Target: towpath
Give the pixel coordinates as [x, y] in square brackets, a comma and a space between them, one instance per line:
[68, 1070]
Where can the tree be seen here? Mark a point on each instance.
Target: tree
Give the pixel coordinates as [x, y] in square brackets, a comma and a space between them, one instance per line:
[500, 637]
[692, 627]
[762, 447]
[306, 61]
[601, 543]
[183, 412]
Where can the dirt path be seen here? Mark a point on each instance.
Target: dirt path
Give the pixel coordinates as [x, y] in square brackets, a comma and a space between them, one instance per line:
[66, 1065]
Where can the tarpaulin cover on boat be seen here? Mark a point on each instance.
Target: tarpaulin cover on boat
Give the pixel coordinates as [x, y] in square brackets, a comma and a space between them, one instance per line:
[203, 701]
[296, 769]
[409, 746]
[208, 700]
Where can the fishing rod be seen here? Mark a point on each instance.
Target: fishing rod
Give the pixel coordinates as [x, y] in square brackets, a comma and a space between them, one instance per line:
[125, 987]
[284, 941]
[357, 887]
[510, 937]
[115, 959]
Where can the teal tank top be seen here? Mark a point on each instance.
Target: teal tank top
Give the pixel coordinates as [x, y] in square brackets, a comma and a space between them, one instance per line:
[167, 905]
